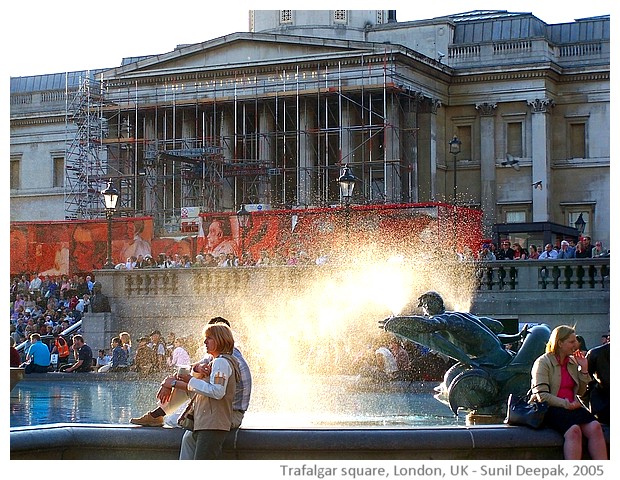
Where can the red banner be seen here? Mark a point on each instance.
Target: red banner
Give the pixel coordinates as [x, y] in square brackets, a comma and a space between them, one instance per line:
[286, 236]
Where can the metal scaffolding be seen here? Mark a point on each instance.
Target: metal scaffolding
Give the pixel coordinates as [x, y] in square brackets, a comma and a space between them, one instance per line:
[85, 156]
[216, 141]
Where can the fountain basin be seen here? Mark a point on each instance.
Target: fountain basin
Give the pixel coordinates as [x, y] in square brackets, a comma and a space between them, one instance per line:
[131, 442]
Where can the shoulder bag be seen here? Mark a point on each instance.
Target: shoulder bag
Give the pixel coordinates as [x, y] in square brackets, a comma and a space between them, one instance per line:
[186, 419]
[522, 411]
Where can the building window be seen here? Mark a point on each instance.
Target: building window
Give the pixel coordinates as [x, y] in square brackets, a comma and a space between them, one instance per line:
[286, 16]
[514, 139]
[516, 216]
[463, 132]
[340, 16]
[59, 172]
[15, 169]
[515, 213]
[379, 17]
[577, 140]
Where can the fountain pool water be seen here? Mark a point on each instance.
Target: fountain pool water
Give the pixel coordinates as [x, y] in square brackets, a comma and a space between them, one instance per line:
[92, 401]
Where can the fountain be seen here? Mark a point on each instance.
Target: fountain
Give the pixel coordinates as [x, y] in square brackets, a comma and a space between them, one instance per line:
[302, 341]
[323, 329]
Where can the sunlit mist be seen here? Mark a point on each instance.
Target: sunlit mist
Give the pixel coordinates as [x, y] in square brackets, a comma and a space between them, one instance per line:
[300, 336]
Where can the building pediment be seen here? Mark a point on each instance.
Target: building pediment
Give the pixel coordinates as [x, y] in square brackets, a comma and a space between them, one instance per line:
[237, 50]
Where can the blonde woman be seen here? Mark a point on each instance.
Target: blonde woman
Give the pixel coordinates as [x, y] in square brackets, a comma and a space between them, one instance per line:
[126, 342]
[213, 387]
[214, 392]
[558, 377]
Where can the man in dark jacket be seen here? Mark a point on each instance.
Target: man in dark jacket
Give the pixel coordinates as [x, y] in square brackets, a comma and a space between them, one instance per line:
[505, 252]
[598, 389]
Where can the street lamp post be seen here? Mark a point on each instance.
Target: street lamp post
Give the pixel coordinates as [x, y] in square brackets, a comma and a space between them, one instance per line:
[110, 198]
[347, 184]
[244, 218]
[455, 149]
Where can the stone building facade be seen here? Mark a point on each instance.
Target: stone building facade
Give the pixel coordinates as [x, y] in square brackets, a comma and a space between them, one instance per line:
[268, 117]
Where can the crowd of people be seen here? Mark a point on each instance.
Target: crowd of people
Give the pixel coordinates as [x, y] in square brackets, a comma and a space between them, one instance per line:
[223, 259]
[565, 249]
[396, 359]
[152, 355]
[48, 305]
[43, 308]
[506, 250]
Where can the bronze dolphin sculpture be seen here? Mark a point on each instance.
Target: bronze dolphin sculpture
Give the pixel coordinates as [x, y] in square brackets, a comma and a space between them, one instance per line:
[485, 372]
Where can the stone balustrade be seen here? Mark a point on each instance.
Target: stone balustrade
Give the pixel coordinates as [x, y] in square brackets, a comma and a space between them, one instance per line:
[578, 274]
[526, 275]
[572, 292]
[509, 50]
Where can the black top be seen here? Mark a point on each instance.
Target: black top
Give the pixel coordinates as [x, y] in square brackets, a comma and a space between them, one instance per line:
[85, 354]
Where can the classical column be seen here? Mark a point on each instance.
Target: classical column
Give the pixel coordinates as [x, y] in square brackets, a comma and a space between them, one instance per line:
[306, 192]
[227, 139]
[427, 150]
[266, 150]
[188, 128]
[409, 153]
[487, 165]
[541, 157]
[392, 180]
[151, 190]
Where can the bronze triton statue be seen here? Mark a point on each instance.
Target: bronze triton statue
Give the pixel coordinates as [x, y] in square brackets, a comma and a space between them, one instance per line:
[99, 302]
[486, 372]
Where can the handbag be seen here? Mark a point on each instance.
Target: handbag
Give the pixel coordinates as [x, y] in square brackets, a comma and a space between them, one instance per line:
[186, 419]
[522, 411]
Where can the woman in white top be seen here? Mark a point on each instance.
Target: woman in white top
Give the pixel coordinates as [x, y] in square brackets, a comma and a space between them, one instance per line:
[179, 355]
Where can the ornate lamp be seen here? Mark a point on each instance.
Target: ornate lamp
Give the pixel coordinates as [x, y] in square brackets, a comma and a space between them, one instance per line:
[347, 184]
[580, 224]
[110, 199]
